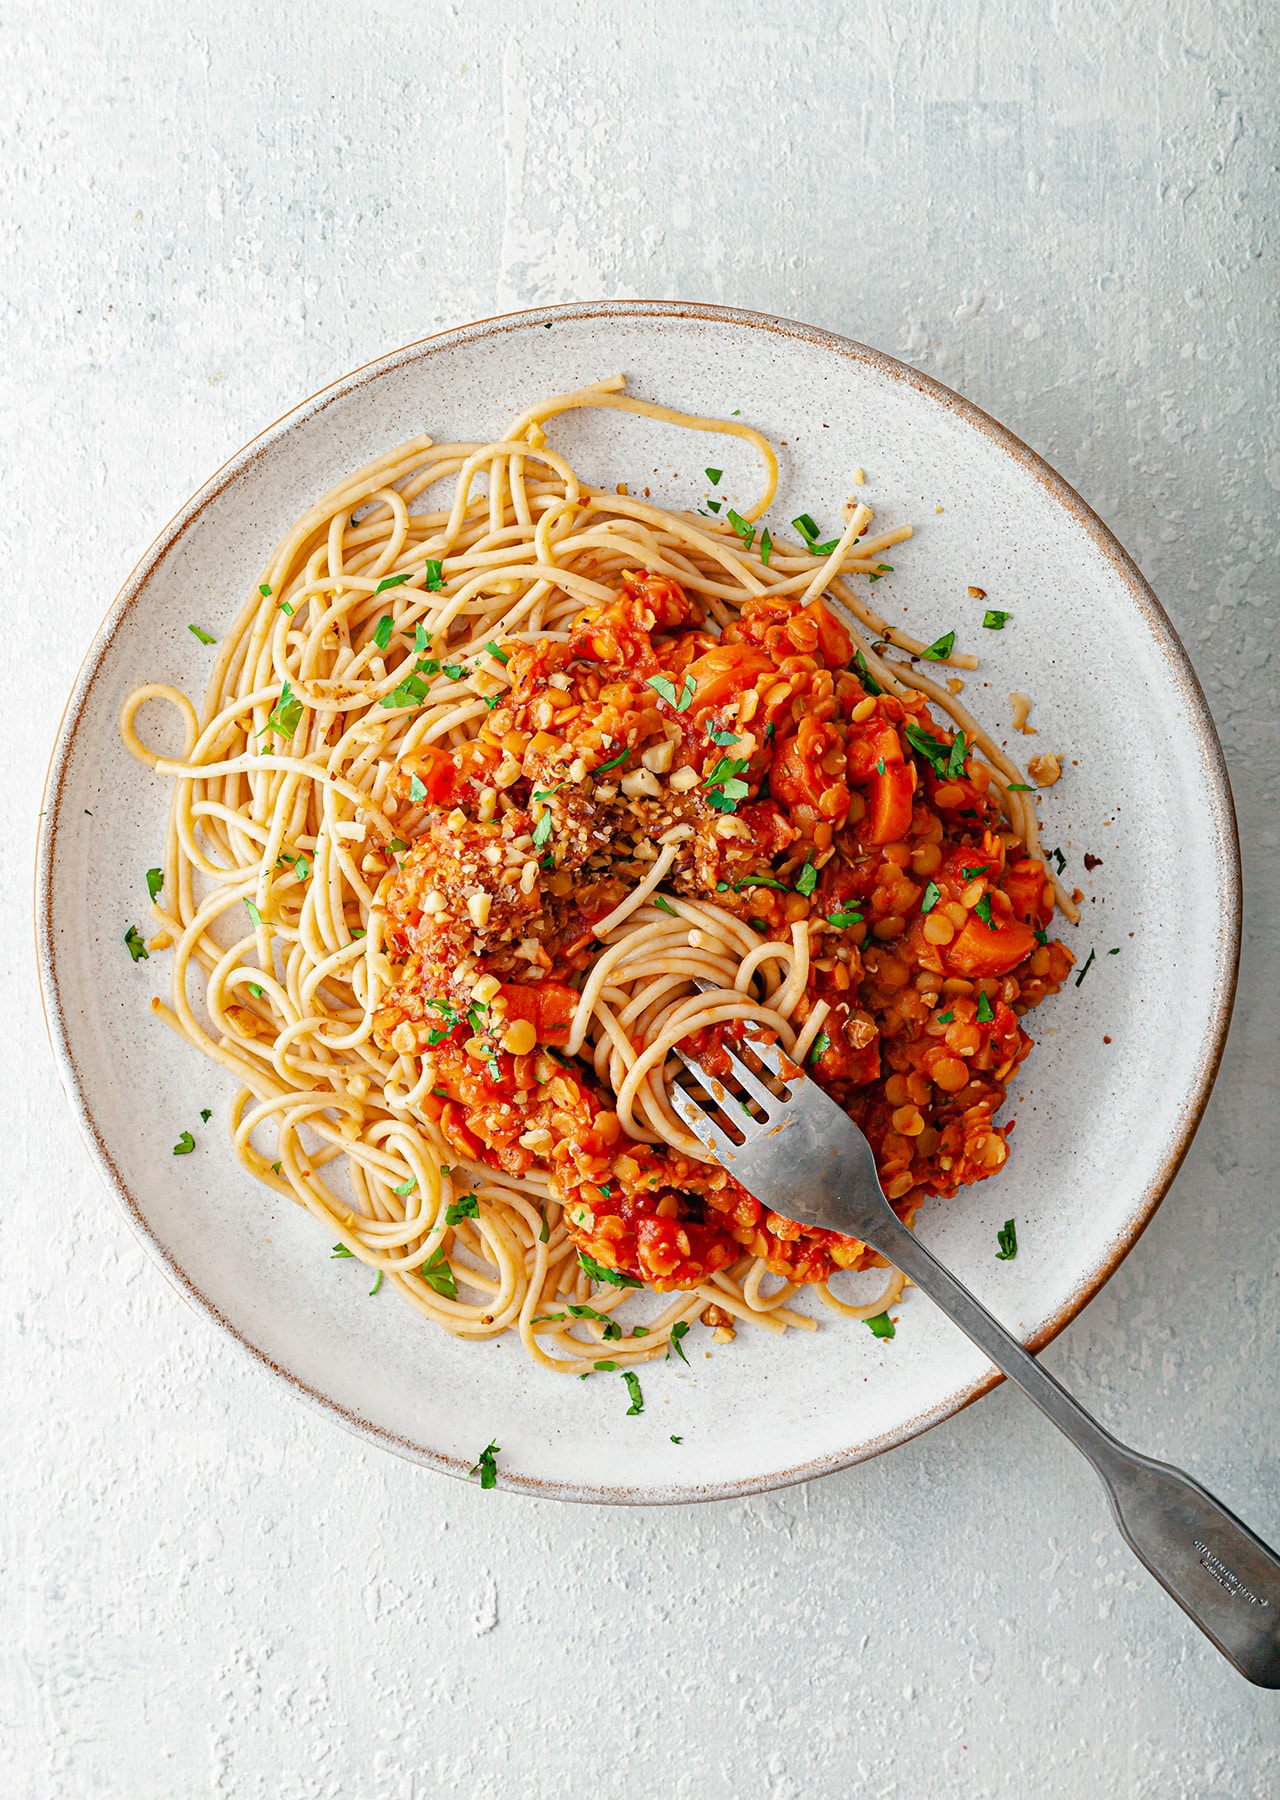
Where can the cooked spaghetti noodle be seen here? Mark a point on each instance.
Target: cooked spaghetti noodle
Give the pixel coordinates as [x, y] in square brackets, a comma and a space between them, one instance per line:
[489, 806]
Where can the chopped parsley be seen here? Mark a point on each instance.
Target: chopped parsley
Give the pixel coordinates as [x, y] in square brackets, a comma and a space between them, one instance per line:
[497, 655]
[205, 1114]
[726, 784]
[253, 913]
[985, 1014]
[1092, 959]
[746, 532]
[204, 636]
[392, 581]
[1020, 787]
[614, 762]
[595, 1271]
[807, 879]
[542, 830]
[678, 1330]
[377, 1284]
[438, 1275]
[821, 1044]
[134, 945]
[666, 690]
[434, 573]
[723, 737]
[284, 720]
[676, 1440]
[864, 676]
[468, 1207]
[255, 990]
[339, 1250]
[940, 649]
[881, 1326]
[484, 1465]
[766, 551]
[845, 917]
[455, 671]
[663, 905]
[405, 1188]
[1007, 1238]
[806, 527]
[992, 620]
[417, 789]
[1059, 858]
[982, 910]
[264, 590]
[544, 1236]
[285, 608]
[934, 751]
[713, 506]
[946, 1017]
[412, 690]
[1041, 935]
[633, 1388]
[382, 631]
[713, 476]
[185, 1145]
[876, 573]
[155, 881]
[750, 881]
[1114, 952]
[930, 898]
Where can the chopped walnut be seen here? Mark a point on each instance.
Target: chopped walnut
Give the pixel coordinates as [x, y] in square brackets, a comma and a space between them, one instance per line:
[1044, 770]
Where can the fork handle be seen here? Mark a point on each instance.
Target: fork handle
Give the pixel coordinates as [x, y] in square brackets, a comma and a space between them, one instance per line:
[1222, 1576]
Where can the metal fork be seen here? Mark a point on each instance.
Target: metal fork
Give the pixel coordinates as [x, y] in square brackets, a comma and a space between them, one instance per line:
[799, 1153]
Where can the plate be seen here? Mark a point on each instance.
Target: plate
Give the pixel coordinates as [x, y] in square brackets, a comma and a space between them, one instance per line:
[1105, 1107]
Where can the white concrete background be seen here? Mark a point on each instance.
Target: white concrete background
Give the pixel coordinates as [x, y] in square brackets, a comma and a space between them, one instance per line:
[1068, 211]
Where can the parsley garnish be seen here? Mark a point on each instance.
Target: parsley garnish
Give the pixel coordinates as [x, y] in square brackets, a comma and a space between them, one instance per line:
[766, 551]
[412, 691]
[255, 990]
[134, 945]
[806, 527]
[498, 655]
[1092, 958]
[934, 751]
[1007, 1238]
[845, 917]
[438, 1275]
[666, 690]
[542, 830]
[382, 631]
[1020, 787]
[770, 732]
[807, 879]
[713, 506]
[455, 671]
[725, 777]
[417, 789]
[185, 1145]
[1041, 935]
[288, 711]
[932, 895]
[484, 1463]
[982, 910]
[392, 581]
[264, 590]
[993, 620]
[377, 1284]
[881, 1326]
[285, 608]
[1114, 952]
[205, 1114]
[985, 1015]
[466, 1208]
[204, 636]
[663, 905]
[713, 476]
[405, 1188]
[595, 1271]
[864, 676]
[750, 881]
[633, 1388]
[544, 1236]
[876, 573]
[434, 573]
[946, 1017]
[941, 649]
[821, 1044]
[155, 881]
[613, 763]
[746, 532]
[253, 912]
[723, 737]
[339, 1250]
[678, 1330]
[1059, 858]
[676, 1440]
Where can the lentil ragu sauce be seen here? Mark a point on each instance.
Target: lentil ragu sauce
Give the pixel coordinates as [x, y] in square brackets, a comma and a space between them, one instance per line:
[809, 797]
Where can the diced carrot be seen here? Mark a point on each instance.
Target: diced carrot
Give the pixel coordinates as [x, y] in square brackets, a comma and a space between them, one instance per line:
[979, 951]
[889, 813]
[725, 671]
[833, 640]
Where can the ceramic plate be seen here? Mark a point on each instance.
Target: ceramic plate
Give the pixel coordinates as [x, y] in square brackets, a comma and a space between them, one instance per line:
[1105, 1107]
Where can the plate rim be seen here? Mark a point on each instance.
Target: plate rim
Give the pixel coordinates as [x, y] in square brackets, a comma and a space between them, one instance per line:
[1199, 720]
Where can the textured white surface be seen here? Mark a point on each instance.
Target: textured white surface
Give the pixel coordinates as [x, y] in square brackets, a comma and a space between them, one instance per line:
[1067, 212]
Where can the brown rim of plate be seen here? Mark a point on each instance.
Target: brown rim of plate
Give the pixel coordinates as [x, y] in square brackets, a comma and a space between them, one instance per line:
[1149, 607]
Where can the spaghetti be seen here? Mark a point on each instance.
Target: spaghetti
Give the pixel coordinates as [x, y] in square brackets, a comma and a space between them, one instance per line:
[489, 806]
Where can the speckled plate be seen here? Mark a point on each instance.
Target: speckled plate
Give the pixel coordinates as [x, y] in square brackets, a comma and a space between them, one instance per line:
[1105, 1108]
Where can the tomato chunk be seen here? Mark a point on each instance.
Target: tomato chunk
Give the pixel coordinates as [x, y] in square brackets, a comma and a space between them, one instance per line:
[833, 640]
[549, 1007]
[724, 672]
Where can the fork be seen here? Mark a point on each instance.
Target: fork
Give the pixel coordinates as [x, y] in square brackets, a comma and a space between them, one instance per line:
[799, 1153]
